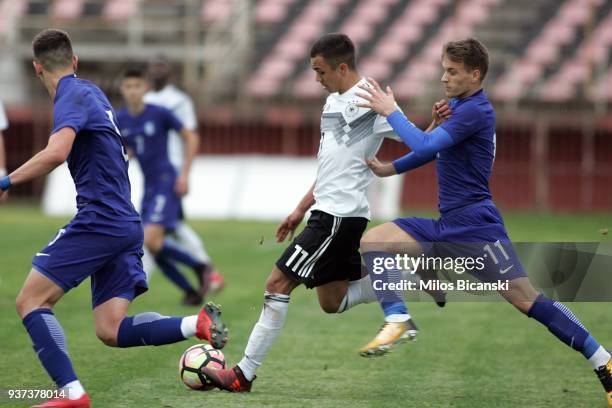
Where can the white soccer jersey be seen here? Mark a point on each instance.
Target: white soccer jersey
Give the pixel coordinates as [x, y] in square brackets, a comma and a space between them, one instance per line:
[348, 135]
[3, 120]
[177, 101]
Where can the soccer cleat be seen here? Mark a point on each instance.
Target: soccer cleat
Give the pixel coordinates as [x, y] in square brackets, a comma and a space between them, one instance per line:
[209, 326]
[217, 282]
[82, 402]
[231, 379]
[604, 373]
[192, 299]
[389, 336]
[204, 276]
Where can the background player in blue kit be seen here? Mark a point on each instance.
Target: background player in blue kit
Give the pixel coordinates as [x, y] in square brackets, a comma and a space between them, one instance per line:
[145, 128]
[464, 150]
[163, 92]
[104, 240]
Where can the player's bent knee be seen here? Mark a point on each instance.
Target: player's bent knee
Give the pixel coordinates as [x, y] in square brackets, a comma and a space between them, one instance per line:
[25, 304]
[278, 282]
[107, 334]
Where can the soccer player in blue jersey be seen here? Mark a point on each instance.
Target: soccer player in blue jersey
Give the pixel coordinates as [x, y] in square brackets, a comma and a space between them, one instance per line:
[464, 150]
[103, 241]
[145, 128]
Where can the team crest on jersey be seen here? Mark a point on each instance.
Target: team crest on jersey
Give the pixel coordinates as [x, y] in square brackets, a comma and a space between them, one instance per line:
[351, 110]
[149, 128]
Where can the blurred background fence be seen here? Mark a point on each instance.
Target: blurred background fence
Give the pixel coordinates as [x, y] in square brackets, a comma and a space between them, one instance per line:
[246, 65]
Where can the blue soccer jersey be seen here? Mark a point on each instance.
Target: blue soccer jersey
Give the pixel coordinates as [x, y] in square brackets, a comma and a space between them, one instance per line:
[147, 135]
[464, 169]
[104, 240]
[98, 160]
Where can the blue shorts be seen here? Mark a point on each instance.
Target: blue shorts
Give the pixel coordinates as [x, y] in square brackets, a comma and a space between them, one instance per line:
[109, 251]
[161, 205]
[473, 231]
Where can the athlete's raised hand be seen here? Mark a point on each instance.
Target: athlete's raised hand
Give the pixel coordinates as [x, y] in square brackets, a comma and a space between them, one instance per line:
[379, 168]
[288, 226]
[378, 100]
[440, 111]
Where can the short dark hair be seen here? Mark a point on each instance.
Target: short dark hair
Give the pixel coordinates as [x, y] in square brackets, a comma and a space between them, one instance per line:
[52, 49]
[335, 48]
[471, 52]
[134, 72]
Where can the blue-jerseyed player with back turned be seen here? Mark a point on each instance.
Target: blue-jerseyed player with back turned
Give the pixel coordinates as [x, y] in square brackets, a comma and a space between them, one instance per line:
[103, 241]
[145, 128]
[464, 150]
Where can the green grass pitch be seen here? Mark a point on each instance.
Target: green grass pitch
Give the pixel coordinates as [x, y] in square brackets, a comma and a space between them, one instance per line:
[467, 355]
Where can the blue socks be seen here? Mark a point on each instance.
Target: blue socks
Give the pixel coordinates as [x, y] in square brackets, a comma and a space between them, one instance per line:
[49, 343]
[170, 270]
[564, 324]
[173, 250]
[391, 301]
[149, 329]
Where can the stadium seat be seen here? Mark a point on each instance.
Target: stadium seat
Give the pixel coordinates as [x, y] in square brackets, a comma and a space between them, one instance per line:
[117, 10]
[271, 11]
[67, 9]
[216, 11]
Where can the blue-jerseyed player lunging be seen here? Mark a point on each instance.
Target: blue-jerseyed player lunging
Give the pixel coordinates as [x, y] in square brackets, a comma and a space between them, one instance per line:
[103, 241]
[464, 150]
[145, 128]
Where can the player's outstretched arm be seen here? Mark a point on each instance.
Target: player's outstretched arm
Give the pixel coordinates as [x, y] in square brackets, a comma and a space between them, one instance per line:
[405, 163]
[56, 152]
[422, 143]
[289, 224]
[192, 143]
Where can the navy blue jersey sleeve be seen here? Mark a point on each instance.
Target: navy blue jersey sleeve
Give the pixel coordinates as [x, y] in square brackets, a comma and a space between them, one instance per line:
[411, 161]
[70, 111]
[464, 122]
[171, 120]
[422, 143]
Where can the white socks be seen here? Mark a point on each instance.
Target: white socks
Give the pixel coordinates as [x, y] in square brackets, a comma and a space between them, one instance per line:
[188, 326]
[148, 263]
[359, 291]
[264, 333]
[599, 358]
[192, 241]
[75, 389]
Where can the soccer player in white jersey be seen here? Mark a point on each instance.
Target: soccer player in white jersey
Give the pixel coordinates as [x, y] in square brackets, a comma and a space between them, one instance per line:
[325, 255]
[165, 94]
[3, 127]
